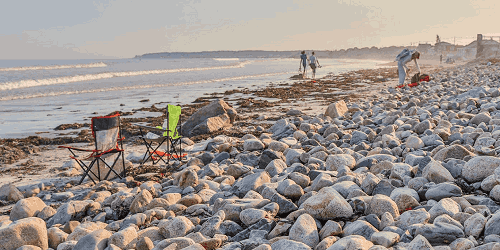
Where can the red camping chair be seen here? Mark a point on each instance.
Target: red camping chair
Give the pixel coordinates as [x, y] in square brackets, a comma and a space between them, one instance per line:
[106, 131]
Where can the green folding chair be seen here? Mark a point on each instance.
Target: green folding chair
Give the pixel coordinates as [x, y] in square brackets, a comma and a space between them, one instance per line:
[173, 132]
[170, 133]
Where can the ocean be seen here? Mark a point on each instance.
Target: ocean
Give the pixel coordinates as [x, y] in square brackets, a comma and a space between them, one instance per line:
[38, 95]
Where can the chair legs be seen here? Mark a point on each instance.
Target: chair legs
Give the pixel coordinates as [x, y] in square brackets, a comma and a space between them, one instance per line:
[175, 153]
[88, 169]
[151, 151]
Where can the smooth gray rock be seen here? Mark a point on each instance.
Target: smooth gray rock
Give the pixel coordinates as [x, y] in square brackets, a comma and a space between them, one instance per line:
[66, 211]
[28, 207]
[285, 244]
[408, 218]
[440, 233]
[250, 182]
[443, 190]
[493, 225]
[475, 225]
[200, 122]
[269, 156]
[97, 240]
[435, 172]
[444, 206]
[420, 243]
[480, 167]
[304, 230]
[452, 152]
[353, 242]
[386, 239]
[358, 136]
[360, 227]
[327, 204]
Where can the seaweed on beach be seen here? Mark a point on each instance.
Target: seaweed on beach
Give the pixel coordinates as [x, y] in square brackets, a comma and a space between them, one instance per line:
[322, 91]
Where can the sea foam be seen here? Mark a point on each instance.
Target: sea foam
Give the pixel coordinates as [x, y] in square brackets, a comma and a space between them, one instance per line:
[146, 86]
[91, 77]
[51, 67]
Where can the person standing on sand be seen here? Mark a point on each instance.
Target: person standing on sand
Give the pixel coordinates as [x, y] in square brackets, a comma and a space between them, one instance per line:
[314, 62]
[403, 58]
[303, 63]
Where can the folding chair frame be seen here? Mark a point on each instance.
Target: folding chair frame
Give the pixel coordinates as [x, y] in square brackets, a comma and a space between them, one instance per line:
[173, 153]
[150, 149]
[152, 152]
[97, 155]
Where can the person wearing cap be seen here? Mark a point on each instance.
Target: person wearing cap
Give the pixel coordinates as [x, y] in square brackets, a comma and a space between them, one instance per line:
[403, 58]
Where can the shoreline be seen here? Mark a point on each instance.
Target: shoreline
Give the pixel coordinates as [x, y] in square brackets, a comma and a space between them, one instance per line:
[274, 100]
[286, 96]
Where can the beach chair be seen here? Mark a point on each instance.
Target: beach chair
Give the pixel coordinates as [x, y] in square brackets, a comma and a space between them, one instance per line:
[169, 133]
[103, 160]
[173, 132]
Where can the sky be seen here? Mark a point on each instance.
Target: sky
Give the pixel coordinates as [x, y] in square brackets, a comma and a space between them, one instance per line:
[84, 29]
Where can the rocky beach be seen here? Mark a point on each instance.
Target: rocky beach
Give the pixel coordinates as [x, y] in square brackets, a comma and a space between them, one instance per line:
[343, 162]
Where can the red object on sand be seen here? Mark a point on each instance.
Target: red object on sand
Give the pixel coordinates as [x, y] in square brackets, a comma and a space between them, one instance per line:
[160, 153]
[314, 81]
[426, 78]
[400, 86]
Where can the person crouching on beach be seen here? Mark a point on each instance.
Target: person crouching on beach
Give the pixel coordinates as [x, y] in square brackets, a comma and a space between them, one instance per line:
[403, 58]
[314, 62]
[303, 63]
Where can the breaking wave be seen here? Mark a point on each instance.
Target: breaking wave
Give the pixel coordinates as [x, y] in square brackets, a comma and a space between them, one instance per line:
[37, 95]
[106, 75]
[72, 66]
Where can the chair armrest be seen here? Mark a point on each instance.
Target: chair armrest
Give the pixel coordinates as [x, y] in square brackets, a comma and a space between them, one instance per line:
[150, 128]
[79, 149]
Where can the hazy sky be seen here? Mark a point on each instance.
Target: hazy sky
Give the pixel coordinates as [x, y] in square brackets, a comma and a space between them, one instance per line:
[62, 29]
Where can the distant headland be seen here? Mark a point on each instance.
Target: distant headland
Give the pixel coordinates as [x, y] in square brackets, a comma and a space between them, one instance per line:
[487, 48]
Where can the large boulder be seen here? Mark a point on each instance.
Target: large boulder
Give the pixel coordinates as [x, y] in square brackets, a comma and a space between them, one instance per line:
[304, 230]
[282, 129]
[440, 233]
[436, 173]
[66, 211]
[334, 162]
[28, 231]
[285, 244]
[452, 152]
[381, 204]
[250, 182]
[97, 240]
[10, 192]
[25, 208]
[176, 227]
[216, 115]
[140, 202]
[480, 167]
[352, 242]
[336, 109]
[327, 204]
